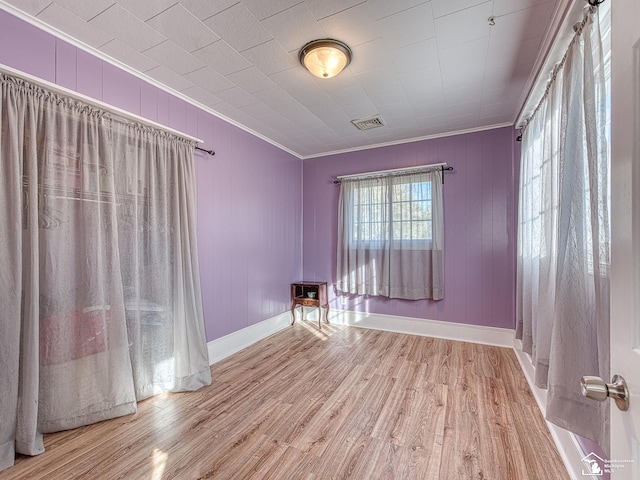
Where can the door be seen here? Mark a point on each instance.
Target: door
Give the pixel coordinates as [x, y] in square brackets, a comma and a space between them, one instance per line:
[625, 259]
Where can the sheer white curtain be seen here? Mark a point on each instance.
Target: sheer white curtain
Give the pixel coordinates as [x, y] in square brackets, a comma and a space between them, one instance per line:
[391, 236]
[99, 287]
[564, 239]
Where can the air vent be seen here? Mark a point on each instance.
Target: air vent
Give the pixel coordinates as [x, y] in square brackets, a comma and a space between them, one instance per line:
[368, 123]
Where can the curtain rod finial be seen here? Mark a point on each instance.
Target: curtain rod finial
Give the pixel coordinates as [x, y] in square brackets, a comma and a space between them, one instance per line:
[210, 152]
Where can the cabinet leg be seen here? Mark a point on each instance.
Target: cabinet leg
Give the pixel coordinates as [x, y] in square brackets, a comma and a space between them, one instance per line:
[293, 313]
[326, 313]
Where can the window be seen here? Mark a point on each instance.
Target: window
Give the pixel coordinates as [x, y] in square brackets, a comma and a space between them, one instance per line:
[390, 236]
[408, 207]
[563, 237]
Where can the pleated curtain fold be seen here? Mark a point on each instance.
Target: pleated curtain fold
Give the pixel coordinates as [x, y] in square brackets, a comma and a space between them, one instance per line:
[100, 293]
[564, 236]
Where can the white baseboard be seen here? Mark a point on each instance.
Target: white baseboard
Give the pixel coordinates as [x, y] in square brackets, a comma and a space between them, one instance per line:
[565, 441]
[223, 347]
[501, 337]
[234, 342]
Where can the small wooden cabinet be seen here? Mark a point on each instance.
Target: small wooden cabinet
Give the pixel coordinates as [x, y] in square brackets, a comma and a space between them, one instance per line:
[310, 294]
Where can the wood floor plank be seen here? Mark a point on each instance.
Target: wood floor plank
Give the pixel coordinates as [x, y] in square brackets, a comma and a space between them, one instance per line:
[342, 402]
[294, 464]
[336, 410]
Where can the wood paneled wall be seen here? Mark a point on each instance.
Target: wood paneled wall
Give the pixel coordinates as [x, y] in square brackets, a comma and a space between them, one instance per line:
[480, 198]
[249, 193]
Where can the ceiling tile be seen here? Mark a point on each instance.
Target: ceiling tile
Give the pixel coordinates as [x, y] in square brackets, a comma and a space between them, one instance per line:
[74, 26]
[417, 56]
[431, 121]
[174, 57]
[262, 9]
[209, 80]
[503, 61]
[201, 95]
[275, 97]
[270, 57]
[463, 26]
[299, 84]
[237, 97]
[272, 118]
[222, 57]
[503, 57]
[204, 9]
[464, 122]
[496, 110]
[383, 91]
[239, 28]
[251, 80]
[83, 9]
[359, 110]
[409, 26]
[385, 8]
[32, 7]
[398, 121]
[393, 111]
[422, 86]
[376, 77]
[184, 28]
[432, 101]
[463, 65]
[492, 94]
[294, 27]
[370, 56]
[345, 80]
[353, 26]
[465, 95]
[325, 8]
[169, 78]
[447, 7]
[128, 56]
[353, 95]
[502, 7]
[234, 113]
[304, 118]
[127, 28]
[145, 9]
[521, 25]
[487, 121]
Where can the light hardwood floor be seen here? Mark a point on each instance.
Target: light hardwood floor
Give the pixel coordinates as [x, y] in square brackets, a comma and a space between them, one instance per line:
[340, 403]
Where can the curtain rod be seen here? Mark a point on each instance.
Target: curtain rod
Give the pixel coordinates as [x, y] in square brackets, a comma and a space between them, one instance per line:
[443, 167]
[577, 31]
[96, 103]
[210, 152]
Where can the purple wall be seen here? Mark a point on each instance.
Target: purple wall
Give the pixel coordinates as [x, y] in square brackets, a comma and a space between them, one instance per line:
[249, 195]
[250, 202]
[480, 225]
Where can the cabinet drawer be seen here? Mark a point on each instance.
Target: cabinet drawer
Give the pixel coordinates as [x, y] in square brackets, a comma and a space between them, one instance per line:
[308, 302]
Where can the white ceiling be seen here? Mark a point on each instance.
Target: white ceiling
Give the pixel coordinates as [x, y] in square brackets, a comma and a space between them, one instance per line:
[429, 68]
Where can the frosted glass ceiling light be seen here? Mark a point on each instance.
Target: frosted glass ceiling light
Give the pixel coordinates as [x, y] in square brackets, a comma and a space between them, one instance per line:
[325, 58]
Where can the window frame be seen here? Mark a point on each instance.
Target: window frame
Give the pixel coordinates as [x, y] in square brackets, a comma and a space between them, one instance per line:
[390, 222]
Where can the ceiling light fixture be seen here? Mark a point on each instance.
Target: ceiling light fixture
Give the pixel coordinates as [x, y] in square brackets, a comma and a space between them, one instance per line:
[325, 58]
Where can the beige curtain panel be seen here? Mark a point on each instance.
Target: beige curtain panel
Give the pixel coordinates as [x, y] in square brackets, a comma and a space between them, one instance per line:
[391, 236]
[564, 237]
[100, 295]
